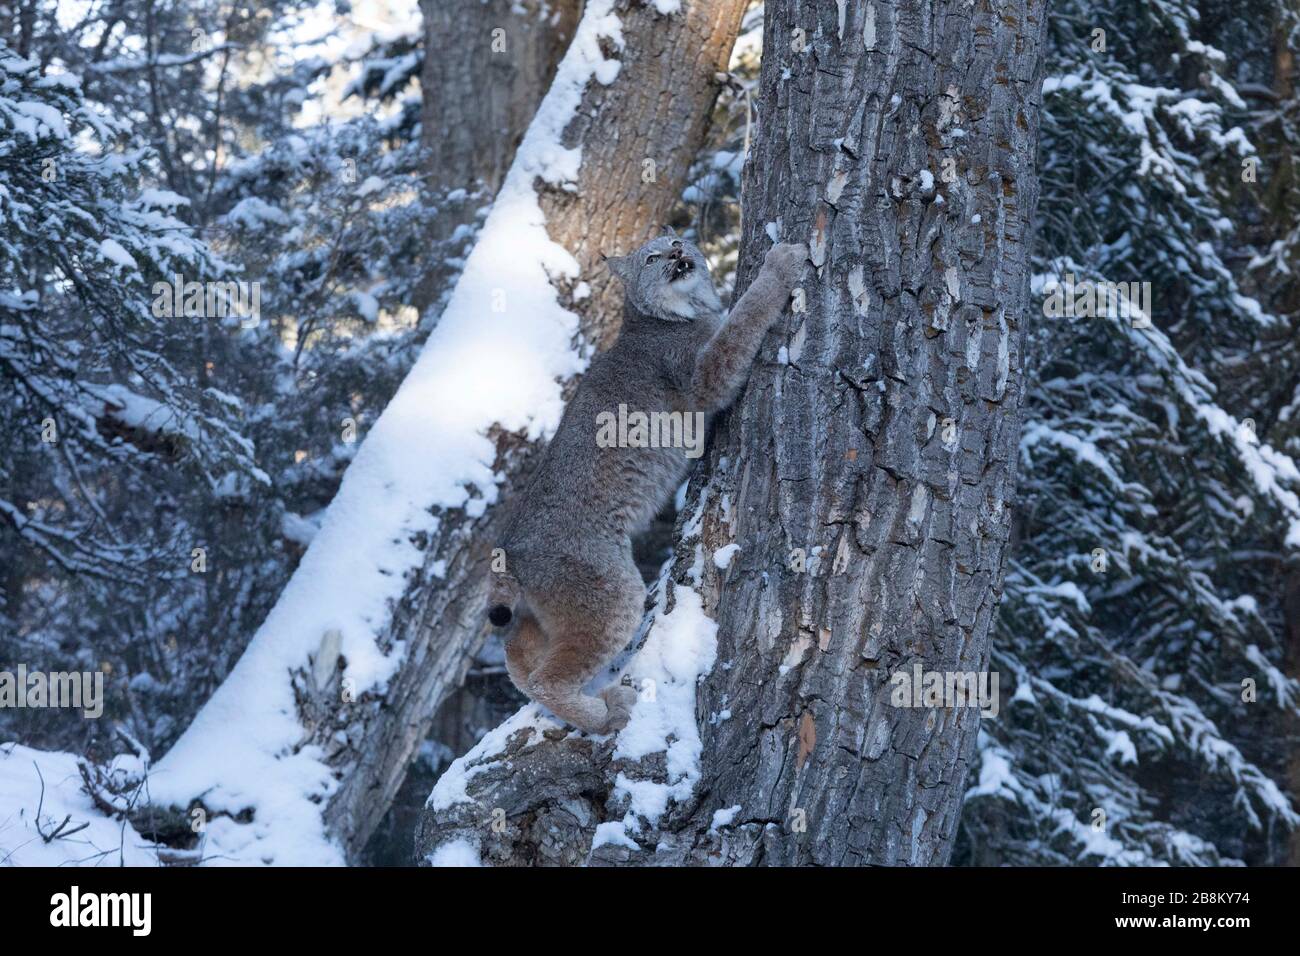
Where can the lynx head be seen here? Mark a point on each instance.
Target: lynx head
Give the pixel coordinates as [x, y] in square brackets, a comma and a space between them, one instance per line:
[667, 278]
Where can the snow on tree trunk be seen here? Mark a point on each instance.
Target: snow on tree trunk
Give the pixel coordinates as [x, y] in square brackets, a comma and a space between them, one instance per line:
[299, 753]
[489, 63]
[852, 518]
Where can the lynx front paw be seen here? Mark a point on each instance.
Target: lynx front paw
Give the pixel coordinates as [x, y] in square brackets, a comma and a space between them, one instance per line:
[620, 700]
[787, 259]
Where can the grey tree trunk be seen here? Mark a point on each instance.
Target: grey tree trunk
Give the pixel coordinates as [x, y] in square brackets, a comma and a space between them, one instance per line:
[488, 65]
[657, 109]
[877, 453]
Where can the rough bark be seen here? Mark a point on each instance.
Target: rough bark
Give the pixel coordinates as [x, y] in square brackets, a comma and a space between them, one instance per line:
[657, 107]
[884, 449]
[490, 63]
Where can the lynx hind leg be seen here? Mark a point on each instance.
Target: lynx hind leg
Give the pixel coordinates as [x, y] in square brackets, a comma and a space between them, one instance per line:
[589, 617]
[524, 651]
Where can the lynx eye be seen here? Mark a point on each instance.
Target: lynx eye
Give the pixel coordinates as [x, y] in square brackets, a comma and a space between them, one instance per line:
[653, 257]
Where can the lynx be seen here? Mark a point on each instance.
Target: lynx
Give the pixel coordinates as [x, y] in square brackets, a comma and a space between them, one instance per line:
[569, 581]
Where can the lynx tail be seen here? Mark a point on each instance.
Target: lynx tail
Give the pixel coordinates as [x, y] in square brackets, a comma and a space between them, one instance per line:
[503, 595]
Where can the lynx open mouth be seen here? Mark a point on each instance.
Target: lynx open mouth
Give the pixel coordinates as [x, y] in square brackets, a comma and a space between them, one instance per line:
[680, 268]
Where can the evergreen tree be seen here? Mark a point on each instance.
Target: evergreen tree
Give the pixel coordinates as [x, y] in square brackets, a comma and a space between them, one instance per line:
[1140, 628]
[110, 418]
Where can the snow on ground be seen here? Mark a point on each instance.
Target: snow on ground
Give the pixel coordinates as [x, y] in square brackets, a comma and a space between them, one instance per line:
[499, 355]
[36, 780]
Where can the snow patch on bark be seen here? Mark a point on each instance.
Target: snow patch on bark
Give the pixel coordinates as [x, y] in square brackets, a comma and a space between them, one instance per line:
[723, 818]
[680, 649]
[722, 557]
[457, 853]
[613, 832]
[453, 786]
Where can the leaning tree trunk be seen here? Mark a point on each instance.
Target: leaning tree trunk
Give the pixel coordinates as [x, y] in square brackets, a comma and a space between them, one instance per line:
[657, 109]
[637, 132]
[866, 476]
